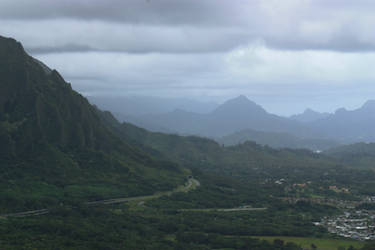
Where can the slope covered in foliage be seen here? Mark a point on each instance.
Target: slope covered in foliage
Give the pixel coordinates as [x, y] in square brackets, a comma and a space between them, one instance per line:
[249, 162]
[54, 148]
[360, 155]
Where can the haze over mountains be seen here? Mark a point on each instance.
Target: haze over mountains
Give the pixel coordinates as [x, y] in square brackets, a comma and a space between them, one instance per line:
[234, 115]
[241, 119]
[349, 125]
[309, 115]
[122, 106]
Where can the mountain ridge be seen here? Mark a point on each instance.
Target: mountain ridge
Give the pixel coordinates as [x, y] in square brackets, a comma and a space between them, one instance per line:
[55, 147]
[232, 116]
[240, 113]
[309, 115]
[349, 126]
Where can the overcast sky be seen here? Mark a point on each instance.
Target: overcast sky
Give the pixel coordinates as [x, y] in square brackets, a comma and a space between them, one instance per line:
[286, 55]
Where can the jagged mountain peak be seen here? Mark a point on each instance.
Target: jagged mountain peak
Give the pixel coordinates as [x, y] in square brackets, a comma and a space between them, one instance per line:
[11, 49]
[309, 115]
[241, 99]
[341, 111]
[50, 134]
[239, 105]
[43, 106]
[310, 111]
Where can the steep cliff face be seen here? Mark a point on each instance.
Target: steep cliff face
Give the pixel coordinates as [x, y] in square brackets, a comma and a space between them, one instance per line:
[52, 138]
[37, 105]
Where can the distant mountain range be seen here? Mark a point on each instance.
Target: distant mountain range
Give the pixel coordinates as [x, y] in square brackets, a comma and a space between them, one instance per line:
[123, 106]
[349, 126]
[234, 115]
[240, 119]
[309, 116]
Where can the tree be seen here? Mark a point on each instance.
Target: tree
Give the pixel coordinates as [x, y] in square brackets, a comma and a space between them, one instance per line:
[278, 243]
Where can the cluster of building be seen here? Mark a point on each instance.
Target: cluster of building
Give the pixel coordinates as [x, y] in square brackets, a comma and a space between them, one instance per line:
[353, 223]
[342, 204]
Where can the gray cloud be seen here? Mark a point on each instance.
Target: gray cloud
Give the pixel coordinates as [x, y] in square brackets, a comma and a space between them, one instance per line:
[63, 49]
[75, 36]
[188, 26]
[341, 43]
[155, 12]
[318, 53]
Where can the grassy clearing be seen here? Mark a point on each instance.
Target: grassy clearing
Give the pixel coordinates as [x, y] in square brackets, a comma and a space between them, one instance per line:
[321, 244]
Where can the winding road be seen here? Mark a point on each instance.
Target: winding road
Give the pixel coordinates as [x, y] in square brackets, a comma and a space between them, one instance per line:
[191, 184]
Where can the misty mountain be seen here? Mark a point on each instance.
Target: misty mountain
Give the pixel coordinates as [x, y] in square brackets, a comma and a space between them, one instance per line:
[241, 114]
[309, 115]
[349, 125]
[123, 106]
[276, 140]
[234, 115]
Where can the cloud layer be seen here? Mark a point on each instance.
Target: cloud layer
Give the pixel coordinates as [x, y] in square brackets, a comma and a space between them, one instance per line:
[273, 51]
[192, 25]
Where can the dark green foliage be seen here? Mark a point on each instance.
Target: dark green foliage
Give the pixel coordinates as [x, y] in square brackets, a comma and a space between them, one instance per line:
[359, 155]
[99, 228]
[254, 163]
[214, 192]
[369, 246]
[276, 140]
[55, 148]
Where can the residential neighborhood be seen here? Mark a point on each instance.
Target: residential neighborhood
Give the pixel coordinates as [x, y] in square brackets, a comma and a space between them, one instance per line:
[353, 223]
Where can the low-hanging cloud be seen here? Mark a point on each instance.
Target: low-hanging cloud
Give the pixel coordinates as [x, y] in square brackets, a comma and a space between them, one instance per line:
[318, 53]
[188, 26]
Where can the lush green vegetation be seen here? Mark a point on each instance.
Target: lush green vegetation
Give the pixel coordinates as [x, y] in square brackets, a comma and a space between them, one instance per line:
[275, 140]
[58, 152]
[256, 165]
[359, 155]
[120, 228]
[54, 148]
[323, 244]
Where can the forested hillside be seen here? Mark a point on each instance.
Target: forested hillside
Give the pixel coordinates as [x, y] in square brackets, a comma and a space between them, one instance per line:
[359, 155]
[54, 147]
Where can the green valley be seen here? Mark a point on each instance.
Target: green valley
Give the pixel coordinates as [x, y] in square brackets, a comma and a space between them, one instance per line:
[101, 184]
